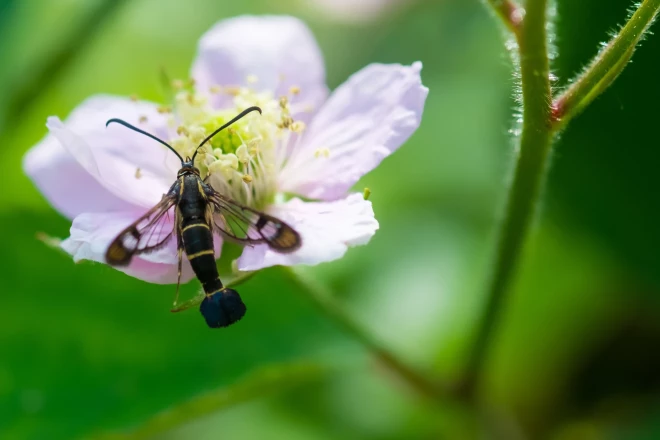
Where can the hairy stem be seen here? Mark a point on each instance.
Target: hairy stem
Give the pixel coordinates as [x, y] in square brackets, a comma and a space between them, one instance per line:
[323, 299]
[509, 12]
[528, 179]
[606, 66]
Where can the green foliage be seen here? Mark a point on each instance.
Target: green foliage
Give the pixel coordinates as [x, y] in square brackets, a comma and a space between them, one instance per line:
[259, 384]
[86, 349]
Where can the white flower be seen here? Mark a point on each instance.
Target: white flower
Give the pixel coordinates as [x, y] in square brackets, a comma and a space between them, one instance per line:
[298, 161]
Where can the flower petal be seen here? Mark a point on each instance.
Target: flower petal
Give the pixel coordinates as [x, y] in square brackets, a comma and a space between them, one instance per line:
[91, 234]
[365, 120]
[279, 51]
[327, 230]
[65, 183]
[129, 165]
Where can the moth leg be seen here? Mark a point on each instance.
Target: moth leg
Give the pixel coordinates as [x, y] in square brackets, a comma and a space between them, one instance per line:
[178, 282]
[179, 248]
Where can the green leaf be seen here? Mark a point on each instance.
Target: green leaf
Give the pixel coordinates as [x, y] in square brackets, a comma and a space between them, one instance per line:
[263, 382]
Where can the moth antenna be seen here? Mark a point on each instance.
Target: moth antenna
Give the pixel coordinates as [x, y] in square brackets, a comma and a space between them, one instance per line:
[134, 128]
[239, 116]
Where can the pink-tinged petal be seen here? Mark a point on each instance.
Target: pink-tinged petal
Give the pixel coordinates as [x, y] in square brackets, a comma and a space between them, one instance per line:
[327, 230]
[364, 120]
[65, 183]
[279, 51]
[127, 164]
[91, 234]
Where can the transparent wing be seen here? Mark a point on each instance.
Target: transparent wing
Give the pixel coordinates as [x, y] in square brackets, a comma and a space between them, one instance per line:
[247, 226]
[150, 232]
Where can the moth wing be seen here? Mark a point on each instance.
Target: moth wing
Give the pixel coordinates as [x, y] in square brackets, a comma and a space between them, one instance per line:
[147, 234]
[247, 226]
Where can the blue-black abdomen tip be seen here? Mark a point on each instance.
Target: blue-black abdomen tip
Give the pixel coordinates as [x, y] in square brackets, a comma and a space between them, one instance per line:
[223, 308]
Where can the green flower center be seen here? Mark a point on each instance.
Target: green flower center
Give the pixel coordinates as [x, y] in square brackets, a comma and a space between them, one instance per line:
[243, 160]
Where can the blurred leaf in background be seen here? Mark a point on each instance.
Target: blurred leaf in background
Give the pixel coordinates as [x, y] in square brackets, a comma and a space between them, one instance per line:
[86, 349]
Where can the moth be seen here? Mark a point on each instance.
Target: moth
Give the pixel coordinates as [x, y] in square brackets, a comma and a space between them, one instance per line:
[200, 211]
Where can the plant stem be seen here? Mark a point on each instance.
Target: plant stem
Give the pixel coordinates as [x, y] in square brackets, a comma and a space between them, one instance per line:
[606, 67]
[529, 176]
[324, 301]
[258, 384]
[509, 11]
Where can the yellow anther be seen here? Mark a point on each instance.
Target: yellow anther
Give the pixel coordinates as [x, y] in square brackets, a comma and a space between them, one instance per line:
[325, 152]
[138, 173]
[134, 98]
[164, 109]
[247, 178]
[142, 119]
[252, 143]
[182, 131]
[284, 101]
[215, 89]
[294, 90]
[227, 161]
[180, 144]
[233, 91]
[298, 126]
[286, 122]
[242, 154]
[196, 134]
[366, 193]
[202, 150]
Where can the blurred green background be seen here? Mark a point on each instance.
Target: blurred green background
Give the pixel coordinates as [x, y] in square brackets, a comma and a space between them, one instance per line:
[86, 350]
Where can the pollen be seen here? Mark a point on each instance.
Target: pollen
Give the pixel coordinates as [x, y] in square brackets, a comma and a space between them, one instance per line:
[196, 134]
[142, 119]
[298, 126]
[322, 152]
[164, 109]
[134, 98]
[286, 122]
[366, 194]
[243, 154]
[253, 143]
[294, 90]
